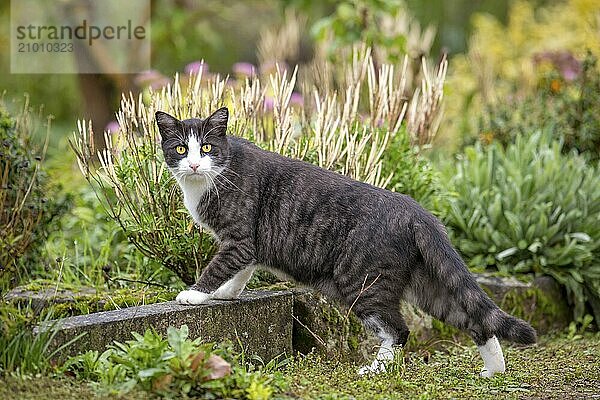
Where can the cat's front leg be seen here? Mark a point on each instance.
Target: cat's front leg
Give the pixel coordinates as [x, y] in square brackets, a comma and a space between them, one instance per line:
[192, 297]
[224, 278]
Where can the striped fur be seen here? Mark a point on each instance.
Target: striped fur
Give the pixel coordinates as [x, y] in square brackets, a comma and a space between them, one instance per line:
[335, 234]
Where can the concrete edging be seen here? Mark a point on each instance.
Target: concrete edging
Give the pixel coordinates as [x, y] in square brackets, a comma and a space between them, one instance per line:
[260, 320]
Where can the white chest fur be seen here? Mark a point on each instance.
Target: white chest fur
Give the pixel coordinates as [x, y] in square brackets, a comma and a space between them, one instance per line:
[193, 191]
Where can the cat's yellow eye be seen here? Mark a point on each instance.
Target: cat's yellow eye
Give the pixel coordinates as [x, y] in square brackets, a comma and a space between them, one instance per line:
[180, 149]
[206, 148]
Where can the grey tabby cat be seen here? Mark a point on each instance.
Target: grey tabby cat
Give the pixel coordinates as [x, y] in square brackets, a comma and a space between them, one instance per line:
[327, 231]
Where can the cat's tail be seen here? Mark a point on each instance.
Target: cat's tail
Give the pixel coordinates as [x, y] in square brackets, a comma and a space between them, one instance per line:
[513, 329]
[445, 264]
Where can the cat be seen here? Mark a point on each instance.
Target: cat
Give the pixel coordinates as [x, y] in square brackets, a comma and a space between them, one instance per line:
[327, 231]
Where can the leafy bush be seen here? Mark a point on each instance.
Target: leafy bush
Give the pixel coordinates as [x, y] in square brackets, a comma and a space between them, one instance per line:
[341, 133]
[529, 209]
[503, 71]
[29, 203]
[92, 249]
[176, 366]
[566, 101]
[411, 173]
[386, 26]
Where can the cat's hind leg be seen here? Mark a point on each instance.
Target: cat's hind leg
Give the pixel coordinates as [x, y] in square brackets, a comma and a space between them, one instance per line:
[493, 359]
[379, 310]
[433, 297]
[391, 336]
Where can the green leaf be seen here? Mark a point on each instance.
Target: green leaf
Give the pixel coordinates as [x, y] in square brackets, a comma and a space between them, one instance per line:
[150, 373]
[506, 253]
[581, 236]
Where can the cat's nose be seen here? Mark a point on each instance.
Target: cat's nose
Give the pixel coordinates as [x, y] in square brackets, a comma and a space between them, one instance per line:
[194, 167]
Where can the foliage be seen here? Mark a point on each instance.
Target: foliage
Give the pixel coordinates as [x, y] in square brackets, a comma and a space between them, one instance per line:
[559, 366]
[21, 350]
[340, 133]
[411, 173]
[529, 208]
[91, 249]
[393, 38]
[175, 366]
[499, 71]
[29, 204]
[219, 32]
[384, 25]
[43, 88]
[566, 101]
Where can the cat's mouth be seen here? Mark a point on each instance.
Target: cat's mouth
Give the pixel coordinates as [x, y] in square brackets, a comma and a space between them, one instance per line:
[197, 174]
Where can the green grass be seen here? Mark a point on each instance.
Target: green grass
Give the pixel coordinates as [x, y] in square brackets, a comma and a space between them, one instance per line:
[558, 367]
[43, 387]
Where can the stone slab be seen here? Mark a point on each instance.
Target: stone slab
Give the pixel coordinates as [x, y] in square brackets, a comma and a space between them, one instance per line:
[45, 297]
[542, 302]
[261, 321]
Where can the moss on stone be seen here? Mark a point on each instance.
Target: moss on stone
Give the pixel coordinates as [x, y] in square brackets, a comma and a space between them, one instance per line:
[328, 328]
[64, 300]
[538, 308]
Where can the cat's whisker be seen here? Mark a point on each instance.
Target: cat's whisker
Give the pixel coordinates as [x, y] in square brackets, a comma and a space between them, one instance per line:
[227, 180]
[227, 169]
[212, 182]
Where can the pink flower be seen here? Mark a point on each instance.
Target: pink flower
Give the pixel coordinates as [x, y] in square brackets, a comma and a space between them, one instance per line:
[563, 61]
[296, 99]
[151, 78]
[269, 103]
[570, 73]
[112, 127]
[196, 67]
[244, 69]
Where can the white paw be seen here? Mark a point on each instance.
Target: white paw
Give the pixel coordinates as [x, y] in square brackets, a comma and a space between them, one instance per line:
[376, 367]
[488, 373]
[485, 373]
[192, 297]
[493, 359]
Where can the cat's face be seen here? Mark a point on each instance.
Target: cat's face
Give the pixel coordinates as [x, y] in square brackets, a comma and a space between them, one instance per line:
[195, 148]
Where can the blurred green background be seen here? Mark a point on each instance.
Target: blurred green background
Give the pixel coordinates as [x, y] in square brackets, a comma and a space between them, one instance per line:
[222, 33]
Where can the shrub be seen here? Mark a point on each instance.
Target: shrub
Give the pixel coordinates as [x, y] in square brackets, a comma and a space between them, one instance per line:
[566, 102]
[387, 26]
[411, 173]
[176, 366]
[529, 209]
[351, 134]
[503, 71]
[29, 203]
[90, 249]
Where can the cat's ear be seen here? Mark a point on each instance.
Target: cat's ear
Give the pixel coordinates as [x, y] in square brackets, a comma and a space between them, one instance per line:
[217, 122]
[167, 124]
